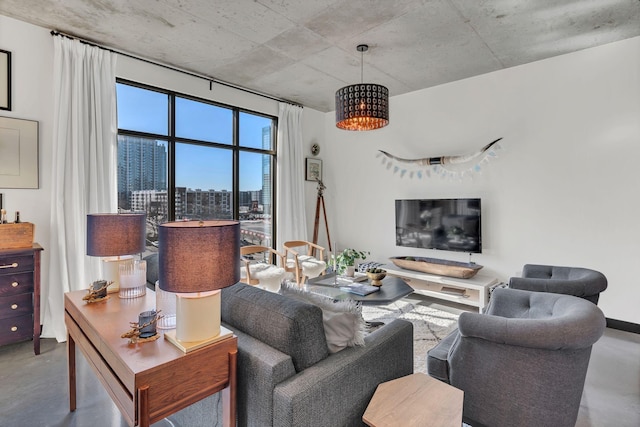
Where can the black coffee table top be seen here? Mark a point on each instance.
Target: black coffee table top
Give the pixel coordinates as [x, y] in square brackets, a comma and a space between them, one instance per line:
[392, 289]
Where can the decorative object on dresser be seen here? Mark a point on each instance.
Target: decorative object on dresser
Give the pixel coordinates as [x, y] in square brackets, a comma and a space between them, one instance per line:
[16, 236]
[115, 237]
[195, 260]
[20, 295]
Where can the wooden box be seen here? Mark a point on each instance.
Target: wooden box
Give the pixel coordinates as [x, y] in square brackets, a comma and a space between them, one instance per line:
[14, 236]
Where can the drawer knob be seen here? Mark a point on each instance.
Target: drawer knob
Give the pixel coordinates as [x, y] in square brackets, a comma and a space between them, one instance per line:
[14, 328]
[14, 284]
[14, 306]
[14, 265]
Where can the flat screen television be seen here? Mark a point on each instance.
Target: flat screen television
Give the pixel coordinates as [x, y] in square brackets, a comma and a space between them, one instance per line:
[445, 224]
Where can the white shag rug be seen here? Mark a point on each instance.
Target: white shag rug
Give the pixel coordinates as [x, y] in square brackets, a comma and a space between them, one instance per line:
[430, 325]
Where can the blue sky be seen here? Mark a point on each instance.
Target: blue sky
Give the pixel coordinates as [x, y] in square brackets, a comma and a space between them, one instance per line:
[197, 166]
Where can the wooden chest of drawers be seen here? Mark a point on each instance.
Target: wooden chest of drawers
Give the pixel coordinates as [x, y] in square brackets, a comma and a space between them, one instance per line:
[20, 295]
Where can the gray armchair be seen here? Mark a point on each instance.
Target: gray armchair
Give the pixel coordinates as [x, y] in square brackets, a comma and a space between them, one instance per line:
[580, 282]
[524, 361]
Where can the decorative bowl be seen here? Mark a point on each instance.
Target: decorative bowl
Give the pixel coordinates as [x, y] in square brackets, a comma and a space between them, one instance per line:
[376, 278]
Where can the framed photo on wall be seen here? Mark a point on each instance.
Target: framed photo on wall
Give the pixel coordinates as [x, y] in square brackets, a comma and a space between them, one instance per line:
[5, 80]
[18, 153]
[313, 170]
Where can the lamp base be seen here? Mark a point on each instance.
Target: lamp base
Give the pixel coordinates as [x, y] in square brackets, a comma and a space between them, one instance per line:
[187, 347]
[111, 270]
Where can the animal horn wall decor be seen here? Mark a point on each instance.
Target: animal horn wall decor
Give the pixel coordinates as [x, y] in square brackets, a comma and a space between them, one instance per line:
[445, 166]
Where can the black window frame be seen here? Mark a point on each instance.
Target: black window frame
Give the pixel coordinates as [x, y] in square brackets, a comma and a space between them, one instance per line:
[235, 147]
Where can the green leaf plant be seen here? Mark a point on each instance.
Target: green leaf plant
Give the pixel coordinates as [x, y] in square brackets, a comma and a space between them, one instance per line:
[348, 258]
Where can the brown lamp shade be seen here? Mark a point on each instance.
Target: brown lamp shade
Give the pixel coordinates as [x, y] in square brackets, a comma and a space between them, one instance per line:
[115, 234]
[363, 106]
[198, 256]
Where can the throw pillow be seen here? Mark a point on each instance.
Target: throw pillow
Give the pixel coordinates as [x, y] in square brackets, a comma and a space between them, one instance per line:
[343, 323]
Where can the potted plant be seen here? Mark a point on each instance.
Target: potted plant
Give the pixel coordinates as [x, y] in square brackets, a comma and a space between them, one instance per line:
[345, 261]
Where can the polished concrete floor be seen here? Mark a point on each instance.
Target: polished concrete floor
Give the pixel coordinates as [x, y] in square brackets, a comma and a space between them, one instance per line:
[34, 390]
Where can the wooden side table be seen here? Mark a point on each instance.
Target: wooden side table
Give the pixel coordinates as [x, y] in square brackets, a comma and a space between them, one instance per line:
[415, 400]
[147, 381]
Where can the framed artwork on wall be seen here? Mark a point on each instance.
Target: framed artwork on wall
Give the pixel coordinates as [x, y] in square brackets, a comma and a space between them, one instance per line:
[313, 170]
[18, 153]
[5, 80]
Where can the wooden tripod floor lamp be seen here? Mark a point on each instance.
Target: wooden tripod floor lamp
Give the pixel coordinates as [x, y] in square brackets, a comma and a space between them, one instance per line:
[316, 226]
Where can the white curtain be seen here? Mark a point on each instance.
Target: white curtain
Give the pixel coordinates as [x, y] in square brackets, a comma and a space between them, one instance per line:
[291, 215]
[83, 171]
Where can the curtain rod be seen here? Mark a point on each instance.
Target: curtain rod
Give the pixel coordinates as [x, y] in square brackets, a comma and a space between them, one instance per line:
[211, 80]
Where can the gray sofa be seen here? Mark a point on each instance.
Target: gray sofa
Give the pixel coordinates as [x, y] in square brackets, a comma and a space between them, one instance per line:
[580, 282]
[286, 376]
[524, 361]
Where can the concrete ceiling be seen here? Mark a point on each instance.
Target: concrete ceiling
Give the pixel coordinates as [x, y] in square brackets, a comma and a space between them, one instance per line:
[304, 50]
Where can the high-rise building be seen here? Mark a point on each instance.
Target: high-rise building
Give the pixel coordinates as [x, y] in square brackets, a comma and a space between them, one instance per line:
[266, 172]
[142, 165]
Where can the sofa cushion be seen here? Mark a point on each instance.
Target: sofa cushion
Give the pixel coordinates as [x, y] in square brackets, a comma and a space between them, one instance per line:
[152, 269]
[290, 326]
[343, 323]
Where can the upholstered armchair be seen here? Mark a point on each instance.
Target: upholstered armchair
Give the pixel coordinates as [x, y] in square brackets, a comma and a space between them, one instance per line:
[262, 266]
[524, 361]
[301, 260]
[580, 282]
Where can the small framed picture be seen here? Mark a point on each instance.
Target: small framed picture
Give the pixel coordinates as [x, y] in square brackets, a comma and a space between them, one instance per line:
[5, 80]
[313, 170]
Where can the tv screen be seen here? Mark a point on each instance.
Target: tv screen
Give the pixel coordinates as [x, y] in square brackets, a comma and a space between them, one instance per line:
[446, 224]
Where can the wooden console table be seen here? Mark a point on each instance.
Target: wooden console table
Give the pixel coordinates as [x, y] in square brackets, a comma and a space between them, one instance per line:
[414, 401]
[473, 291]
[147, 381]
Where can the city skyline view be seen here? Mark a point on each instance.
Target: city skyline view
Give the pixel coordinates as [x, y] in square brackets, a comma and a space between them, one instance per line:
[197, 166]
[179, 165]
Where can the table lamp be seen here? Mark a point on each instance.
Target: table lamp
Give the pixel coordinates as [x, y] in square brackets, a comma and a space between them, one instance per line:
[115, 237]
[195, 260]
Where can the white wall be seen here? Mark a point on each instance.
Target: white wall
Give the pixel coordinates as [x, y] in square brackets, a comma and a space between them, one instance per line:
[564, 190]
[31, 50]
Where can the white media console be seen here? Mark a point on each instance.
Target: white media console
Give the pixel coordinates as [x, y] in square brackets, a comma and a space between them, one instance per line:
[473, 291]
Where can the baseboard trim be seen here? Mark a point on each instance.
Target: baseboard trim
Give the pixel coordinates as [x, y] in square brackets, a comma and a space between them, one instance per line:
[623, 326]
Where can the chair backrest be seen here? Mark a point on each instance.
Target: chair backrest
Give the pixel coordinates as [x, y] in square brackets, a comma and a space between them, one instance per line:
[292, 245]
[581, 282]
[265, 250]
[526, 359]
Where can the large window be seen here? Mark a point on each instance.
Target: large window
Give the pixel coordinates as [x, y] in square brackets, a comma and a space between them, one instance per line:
[181, 158]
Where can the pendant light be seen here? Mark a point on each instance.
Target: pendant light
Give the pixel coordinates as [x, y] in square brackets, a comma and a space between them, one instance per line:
[363, 106]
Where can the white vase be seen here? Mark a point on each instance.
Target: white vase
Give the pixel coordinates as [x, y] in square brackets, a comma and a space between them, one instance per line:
[350, 271]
